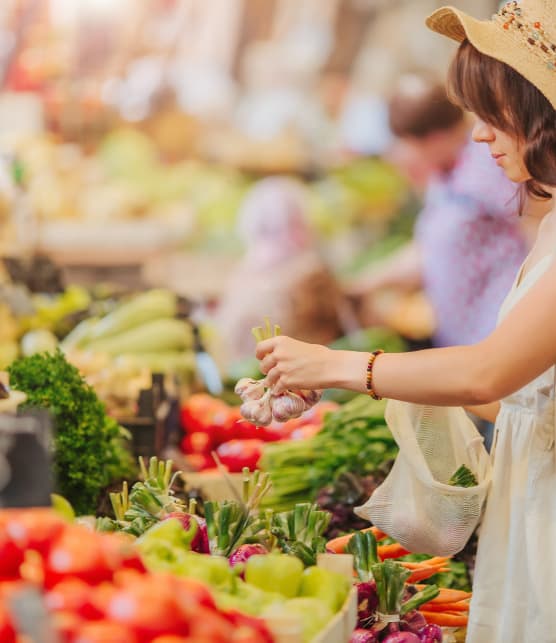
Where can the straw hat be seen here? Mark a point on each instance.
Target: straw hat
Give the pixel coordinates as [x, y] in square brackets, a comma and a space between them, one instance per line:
[521, 34]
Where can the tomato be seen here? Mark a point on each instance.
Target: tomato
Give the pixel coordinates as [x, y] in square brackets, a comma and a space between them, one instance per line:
[199, 411]
[7, 631]
[210, 625]
[70, 594]
[77, 553]
[190, 594]
[248, 629]
[104, 632]
[237, 454]
[197, 442]
[147, 606]
[33, 529]
[66, 625]
[11, 558]
[118, 550]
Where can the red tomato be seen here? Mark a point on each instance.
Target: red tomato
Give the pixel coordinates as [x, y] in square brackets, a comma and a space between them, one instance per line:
[11, 557]
[148, 606]
[119, 551]
[32, 528]
[189, 594]
[104, 632]
[237, 454]
[66, 625]
[77, 553]
[71, 595]
[7, 631]
[199, 410]
[248, 629]
[210, 625]
[197, 442]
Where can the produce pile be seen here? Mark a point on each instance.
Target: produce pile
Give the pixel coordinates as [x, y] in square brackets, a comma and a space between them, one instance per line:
[257, 561]
[354, 439]
[94, 588]
[144, 330]
[394, 605]
[211, 424]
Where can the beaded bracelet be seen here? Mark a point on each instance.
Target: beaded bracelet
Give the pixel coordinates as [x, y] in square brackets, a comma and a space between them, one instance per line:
[370, 389]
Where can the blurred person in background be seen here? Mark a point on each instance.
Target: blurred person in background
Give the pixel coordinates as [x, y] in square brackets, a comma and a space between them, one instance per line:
[281, 274]
[469, 240]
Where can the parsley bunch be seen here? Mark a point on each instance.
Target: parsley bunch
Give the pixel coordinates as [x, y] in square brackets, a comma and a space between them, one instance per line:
[89, 450]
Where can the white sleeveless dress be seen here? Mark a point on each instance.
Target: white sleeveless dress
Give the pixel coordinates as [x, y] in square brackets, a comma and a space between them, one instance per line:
[514, 593]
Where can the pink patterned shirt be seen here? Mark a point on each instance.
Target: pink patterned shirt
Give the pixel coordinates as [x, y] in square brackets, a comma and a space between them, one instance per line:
[472, 246]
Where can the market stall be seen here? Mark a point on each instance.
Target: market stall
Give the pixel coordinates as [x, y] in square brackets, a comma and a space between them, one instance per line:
[172, 173]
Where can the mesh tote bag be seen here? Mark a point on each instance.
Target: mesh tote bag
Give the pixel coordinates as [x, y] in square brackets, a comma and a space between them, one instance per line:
[415, 504]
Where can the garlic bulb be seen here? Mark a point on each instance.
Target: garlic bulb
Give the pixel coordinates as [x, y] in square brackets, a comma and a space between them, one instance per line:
[287, 406]
[258, 412]
[309, 397]
[249, 389]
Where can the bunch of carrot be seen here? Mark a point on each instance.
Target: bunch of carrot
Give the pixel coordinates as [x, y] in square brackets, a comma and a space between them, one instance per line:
[449, 609]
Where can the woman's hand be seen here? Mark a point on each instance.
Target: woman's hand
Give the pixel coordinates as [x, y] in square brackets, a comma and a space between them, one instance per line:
[291, 364]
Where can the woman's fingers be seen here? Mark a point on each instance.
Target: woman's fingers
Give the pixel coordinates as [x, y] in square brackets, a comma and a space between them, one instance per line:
[265, 347]
[268, 362]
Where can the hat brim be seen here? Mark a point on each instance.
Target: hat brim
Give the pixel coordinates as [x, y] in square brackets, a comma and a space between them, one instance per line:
[488, 38]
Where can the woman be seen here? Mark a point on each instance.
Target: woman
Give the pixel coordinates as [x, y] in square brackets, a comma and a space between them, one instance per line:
[505, 72]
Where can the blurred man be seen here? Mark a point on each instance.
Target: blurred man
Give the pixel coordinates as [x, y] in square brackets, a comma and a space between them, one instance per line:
[469, 238]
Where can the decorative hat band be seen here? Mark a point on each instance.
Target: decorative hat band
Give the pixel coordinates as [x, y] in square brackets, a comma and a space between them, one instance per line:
[512, 19]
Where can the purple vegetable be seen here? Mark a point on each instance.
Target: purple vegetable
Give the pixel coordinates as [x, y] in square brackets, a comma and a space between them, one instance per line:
[401, 637]
[362, 636]
[367, 602]
[244, 552]
[414, 622]
[430, 634]
[200, 541]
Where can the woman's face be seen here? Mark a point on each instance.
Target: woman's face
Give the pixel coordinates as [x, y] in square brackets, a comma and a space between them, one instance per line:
[504, 148]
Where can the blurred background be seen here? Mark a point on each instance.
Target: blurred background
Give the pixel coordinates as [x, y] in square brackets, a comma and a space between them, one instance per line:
[236, 153]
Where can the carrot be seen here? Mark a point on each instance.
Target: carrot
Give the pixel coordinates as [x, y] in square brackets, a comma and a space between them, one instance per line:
[424, 572]
[447, 595]
[446, 619]
[395, 550]
[338, 545]
[462, 606]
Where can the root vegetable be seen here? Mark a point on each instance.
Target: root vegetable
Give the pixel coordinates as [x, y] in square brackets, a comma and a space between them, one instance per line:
[249, 389]
[287, 406]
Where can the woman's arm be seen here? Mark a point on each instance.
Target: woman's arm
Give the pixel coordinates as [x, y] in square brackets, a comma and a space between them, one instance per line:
[520, 349]
[487, 412]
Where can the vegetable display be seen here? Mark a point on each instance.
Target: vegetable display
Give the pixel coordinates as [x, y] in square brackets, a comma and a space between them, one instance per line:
[210, 424]
[94, 587]
[89, 446]
[353, 439]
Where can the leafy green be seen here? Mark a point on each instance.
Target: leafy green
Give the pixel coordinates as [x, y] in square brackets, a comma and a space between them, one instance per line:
[89, 446]
[355, 438]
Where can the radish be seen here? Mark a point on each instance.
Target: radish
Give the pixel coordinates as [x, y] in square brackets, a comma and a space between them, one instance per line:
[402, 637]
[430, 634]
[200, 541]
[367, 602]
[244, 552]
[362, 636]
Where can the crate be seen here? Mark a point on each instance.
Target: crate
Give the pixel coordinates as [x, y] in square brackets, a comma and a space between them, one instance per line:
[339, 629]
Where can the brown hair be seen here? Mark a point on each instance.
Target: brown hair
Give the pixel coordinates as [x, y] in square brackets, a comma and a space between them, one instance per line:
[509, 102]
[419, 106]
